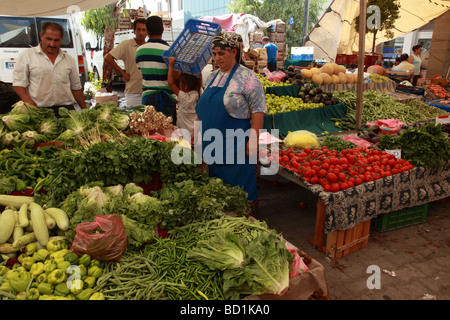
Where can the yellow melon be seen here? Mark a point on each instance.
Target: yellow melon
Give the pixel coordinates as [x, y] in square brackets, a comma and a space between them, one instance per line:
[326, 78]
[317, 79]
[306, 73]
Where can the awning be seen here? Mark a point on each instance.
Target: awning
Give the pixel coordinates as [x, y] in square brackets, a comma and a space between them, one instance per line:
[335, 32]
[39, 8]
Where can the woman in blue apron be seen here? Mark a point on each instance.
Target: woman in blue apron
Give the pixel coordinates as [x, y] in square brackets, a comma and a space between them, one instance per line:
[233, 102]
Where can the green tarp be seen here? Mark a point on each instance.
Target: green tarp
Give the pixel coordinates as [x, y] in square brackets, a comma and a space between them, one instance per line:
[315, 120]
[291, 91]
[296, 63]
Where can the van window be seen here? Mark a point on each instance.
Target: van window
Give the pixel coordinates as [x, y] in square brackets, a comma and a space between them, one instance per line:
[17, 32]
[67, 37]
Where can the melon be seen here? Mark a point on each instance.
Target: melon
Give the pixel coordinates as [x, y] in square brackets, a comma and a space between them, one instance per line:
[334, 79]
[328, 68]
[342, 69]
[315, 71]
[326, 78]
[335, 68]
[317, 79]
[342, 78]
[306, 73]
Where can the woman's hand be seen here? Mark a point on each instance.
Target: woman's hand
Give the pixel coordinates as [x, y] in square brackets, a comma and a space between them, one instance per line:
[172, 61]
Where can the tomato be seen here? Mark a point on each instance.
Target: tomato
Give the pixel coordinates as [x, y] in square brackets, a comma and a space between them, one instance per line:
[285, 158]
[358, 181]
[368, 178]
[322, 173]
[327, 187]
[335, 187]
[344, 185]
[291, 155]
[307, 150]
[332, 177]
[314, 180]
[326, 165]
[341, 176]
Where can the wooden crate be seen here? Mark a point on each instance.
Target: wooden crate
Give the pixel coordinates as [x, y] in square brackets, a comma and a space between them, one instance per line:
[341, 243]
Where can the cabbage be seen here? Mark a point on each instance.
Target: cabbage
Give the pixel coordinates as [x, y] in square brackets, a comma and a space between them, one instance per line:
[115, 190]
[120, 121]
[74, 120]
[32, 137]
[132, 188]
[137, 233]
[34, 112]
[50, 127]
[94, 198]
[11, 139]
[225, 250]
[18, 122]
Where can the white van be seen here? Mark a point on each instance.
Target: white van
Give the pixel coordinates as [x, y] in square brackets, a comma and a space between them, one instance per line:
[20, 33]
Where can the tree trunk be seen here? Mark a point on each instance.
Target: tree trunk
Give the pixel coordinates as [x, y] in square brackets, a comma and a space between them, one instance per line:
[109, 45]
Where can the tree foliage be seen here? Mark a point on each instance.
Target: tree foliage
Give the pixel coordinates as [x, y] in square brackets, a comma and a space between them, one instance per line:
[268, 10]
[389, 11]
[97, 20]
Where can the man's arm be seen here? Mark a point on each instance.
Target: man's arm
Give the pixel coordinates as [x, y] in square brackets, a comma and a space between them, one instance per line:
[23, 95]
[79, 97]
[109, 59]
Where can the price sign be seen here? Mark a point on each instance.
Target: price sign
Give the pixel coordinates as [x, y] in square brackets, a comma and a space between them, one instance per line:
[397, 153]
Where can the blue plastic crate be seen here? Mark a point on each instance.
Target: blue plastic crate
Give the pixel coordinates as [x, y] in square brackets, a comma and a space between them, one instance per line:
[192, 48]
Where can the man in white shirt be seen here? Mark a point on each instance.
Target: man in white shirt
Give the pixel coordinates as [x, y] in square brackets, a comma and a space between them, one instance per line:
[45, 76]
[404, 64]
[126, 51]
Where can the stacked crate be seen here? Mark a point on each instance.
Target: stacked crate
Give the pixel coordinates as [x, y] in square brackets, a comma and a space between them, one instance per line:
[277, 35]
[124, 22]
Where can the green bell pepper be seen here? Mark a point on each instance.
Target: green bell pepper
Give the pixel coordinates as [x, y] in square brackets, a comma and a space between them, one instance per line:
[53, 245]
[63, 265]
[3, 270]
[76, 286]
[61, 289]
[21, 296]
[95, 262]
[42, 278]
[42, 254]
[85, 294]
[72, 258]
[27, 262]
[56, 276]
[89, 282]
[45, 288]
[83, 271]
[97, 296]
[37, 269]
[85, 260]
[5, 286]
[20, 280]
[49, 267]
[95, 271]
[30, 249]
[33, 294]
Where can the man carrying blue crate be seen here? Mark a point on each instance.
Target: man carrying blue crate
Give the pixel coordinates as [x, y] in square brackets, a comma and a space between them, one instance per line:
[155, 88]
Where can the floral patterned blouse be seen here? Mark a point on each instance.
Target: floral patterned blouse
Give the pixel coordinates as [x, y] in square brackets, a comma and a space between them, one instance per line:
[244, 95]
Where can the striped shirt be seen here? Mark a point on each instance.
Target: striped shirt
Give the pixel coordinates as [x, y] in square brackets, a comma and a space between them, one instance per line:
[153, 68]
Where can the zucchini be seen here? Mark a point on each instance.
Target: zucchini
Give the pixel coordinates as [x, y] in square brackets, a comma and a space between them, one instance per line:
[7, 224]
[49, 221]
[60, 216]
[24, 240]
[14, 201]
[40, 228]
[23, 216]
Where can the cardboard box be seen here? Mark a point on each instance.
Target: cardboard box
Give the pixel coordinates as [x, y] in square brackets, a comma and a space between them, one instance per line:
[262, 53]
[281, 46]
[102, 96]
[281, 27]
[281, 37]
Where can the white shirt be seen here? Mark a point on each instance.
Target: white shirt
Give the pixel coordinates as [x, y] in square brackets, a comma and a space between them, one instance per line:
[186, 114]
[404, 66]
[48, 84]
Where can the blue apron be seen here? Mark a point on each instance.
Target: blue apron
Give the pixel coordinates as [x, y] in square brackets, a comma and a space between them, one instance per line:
[212, 113]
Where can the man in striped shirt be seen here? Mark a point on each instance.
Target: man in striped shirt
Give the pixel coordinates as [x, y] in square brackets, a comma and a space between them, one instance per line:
[155, 88]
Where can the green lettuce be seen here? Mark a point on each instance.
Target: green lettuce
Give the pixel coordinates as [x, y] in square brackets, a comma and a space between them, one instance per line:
[32, 137]
[18, 122]
[137, 233]
[223, 251]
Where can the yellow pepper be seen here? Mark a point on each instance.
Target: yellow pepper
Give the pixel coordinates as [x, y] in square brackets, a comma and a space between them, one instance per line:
[97, 296]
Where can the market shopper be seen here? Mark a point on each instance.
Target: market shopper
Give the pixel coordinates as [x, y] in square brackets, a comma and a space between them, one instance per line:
[46, 76]
[416, 62]
[377, 68]
[187, 88]
[233, 100]
[155, 87]
[404, 64]
[271, 54]
[126, 51]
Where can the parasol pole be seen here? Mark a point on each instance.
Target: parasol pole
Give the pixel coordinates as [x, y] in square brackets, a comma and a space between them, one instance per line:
[362, 46]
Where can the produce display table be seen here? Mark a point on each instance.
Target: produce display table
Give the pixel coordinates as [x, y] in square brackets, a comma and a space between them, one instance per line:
[353, 208]
[315, 120]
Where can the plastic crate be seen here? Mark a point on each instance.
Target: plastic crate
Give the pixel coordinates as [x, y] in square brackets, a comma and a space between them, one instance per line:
[192, 48]
[400, 219]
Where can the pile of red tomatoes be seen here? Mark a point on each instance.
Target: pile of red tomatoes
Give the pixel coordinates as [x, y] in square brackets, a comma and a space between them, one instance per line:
[337, 171]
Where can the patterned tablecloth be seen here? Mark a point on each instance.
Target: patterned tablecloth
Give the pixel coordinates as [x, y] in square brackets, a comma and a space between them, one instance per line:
[345, 209]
